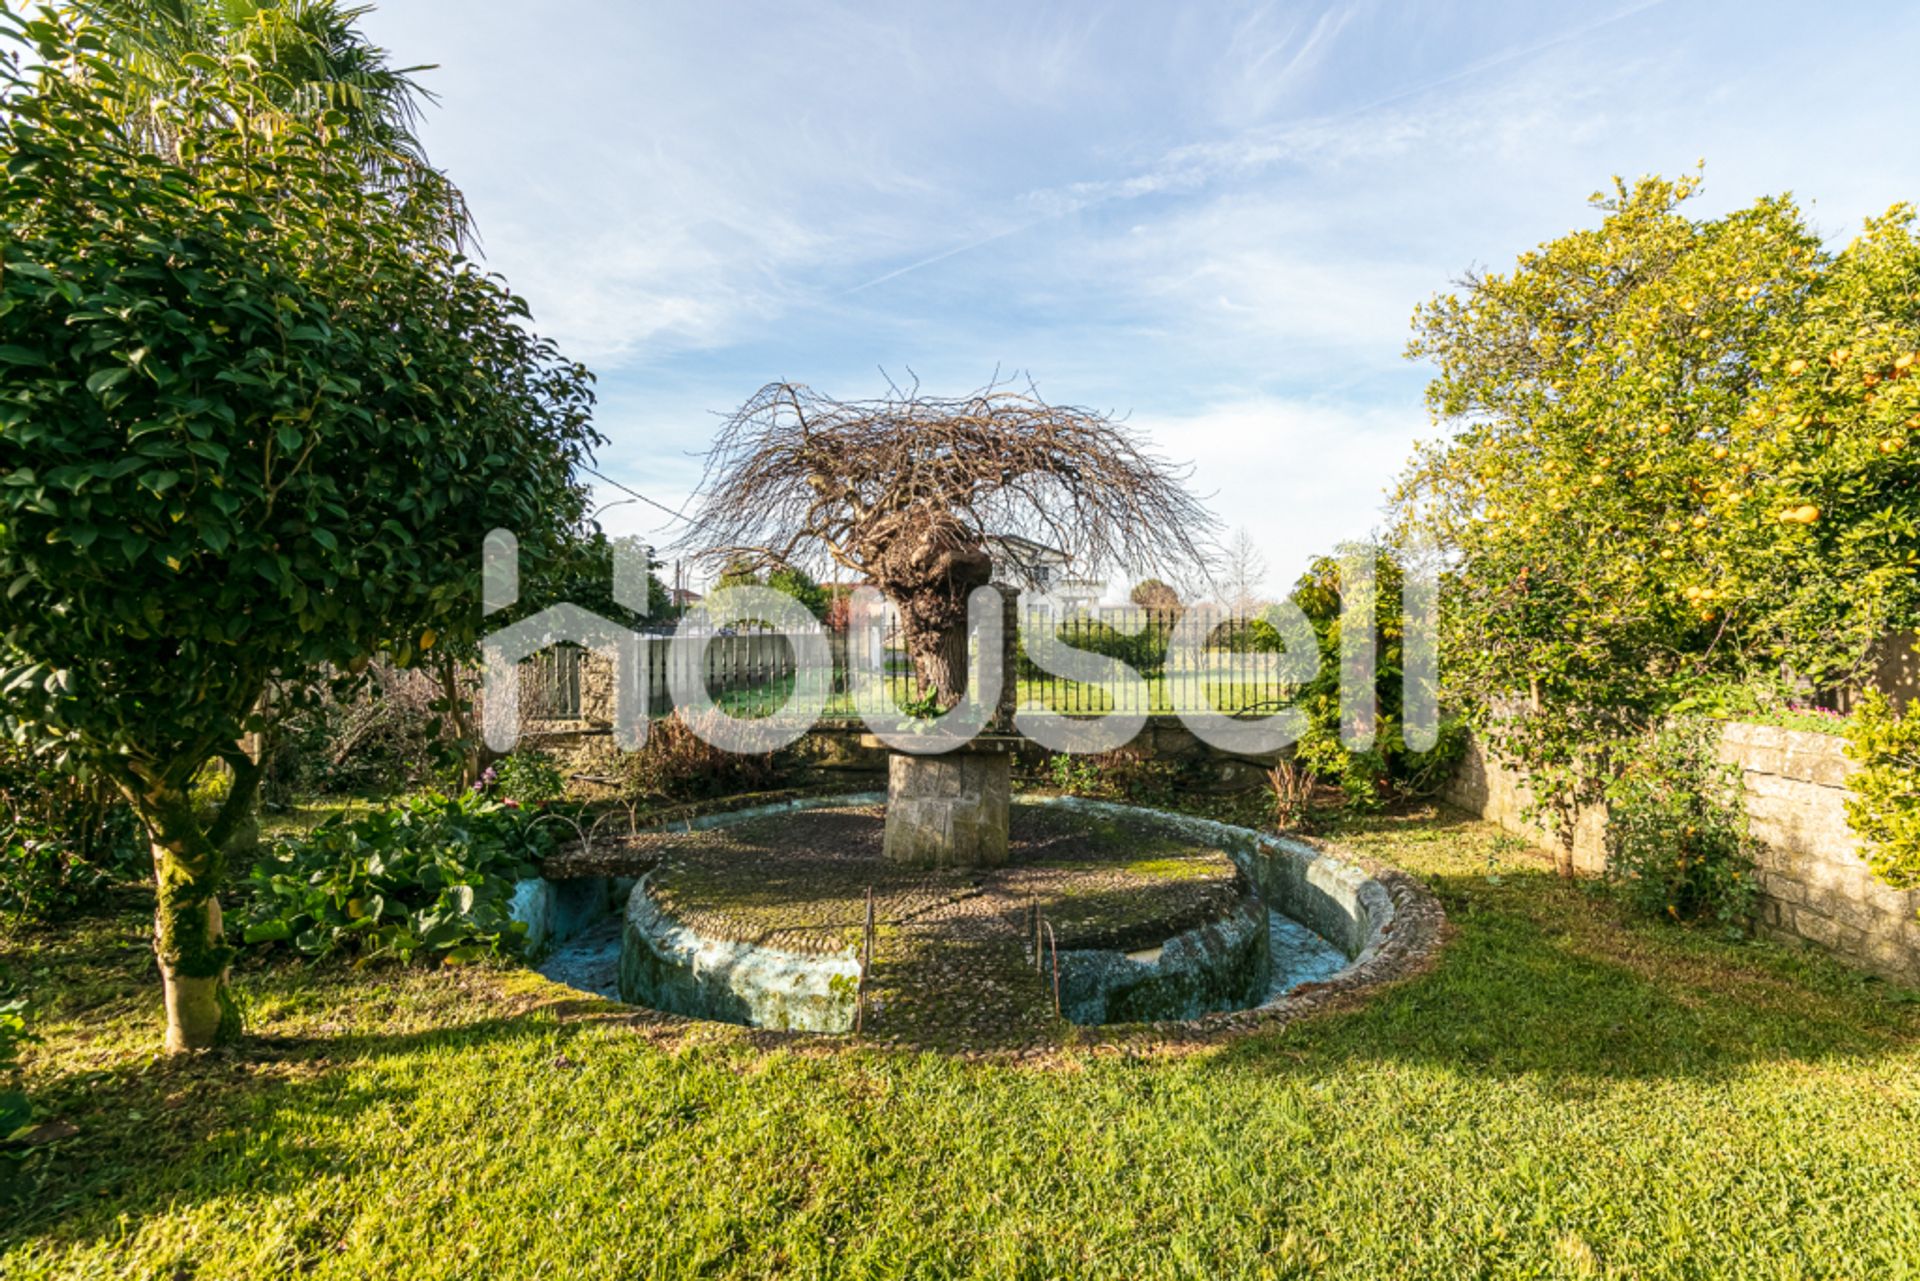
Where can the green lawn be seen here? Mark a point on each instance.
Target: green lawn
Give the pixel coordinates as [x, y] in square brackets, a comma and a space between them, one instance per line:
[1569, 1093]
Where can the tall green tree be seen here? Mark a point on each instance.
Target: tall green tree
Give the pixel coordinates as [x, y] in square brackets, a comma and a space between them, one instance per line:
[800, 585]
[1680, 469]
[256, 417]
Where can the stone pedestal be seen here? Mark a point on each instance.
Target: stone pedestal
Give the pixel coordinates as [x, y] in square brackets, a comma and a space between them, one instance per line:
[950, 810]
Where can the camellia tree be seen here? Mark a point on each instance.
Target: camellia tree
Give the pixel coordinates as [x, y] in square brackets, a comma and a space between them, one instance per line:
[1681, 471]
[256, 417]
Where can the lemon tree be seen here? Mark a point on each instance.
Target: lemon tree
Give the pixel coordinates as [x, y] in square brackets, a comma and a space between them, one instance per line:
[1680, 462]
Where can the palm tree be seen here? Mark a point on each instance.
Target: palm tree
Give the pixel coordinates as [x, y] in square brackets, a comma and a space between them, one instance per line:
[317, 61]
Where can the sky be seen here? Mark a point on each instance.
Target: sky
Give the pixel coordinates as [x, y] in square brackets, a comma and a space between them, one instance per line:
[1214, 219]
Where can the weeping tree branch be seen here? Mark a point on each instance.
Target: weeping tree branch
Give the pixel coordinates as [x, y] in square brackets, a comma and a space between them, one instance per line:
[905, 491]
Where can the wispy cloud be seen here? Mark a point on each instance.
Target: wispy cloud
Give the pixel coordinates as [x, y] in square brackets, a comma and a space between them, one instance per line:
[1217, 216]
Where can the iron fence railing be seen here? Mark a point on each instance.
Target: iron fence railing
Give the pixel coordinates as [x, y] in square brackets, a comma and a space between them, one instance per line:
[752, 673]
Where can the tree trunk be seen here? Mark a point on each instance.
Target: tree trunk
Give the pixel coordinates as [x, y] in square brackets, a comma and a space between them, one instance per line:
[200, 1011]
[188, 939]
[467, 743]
[940, 662]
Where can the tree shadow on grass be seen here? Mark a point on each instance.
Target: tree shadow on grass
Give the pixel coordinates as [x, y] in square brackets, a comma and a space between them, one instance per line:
[256, 1119]
[258, 1122]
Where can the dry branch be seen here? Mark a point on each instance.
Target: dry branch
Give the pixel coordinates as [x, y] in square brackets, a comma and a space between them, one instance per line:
[905, 491]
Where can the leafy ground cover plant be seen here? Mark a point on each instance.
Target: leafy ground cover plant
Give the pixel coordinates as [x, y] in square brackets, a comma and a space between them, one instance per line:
[1129, 774]
[15, 1110]
[429, 876]
[528, 778]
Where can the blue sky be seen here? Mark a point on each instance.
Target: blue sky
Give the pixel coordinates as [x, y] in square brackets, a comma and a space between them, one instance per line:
[1215, 218]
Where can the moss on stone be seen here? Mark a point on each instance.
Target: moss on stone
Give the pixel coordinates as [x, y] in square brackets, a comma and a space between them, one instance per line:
[954, 957]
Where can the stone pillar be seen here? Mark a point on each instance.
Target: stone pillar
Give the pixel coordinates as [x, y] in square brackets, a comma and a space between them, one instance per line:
[949, 811]
[1002, 722]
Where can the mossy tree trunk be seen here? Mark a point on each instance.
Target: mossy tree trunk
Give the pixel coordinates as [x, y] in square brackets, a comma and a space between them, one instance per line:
[459, 715]
[189, 937]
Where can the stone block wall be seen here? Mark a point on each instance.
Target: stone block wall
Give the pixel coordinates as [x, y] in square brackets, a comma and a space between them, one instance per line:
[1813, 882]
[1814, 886]
[1486, 787]
[948, 811]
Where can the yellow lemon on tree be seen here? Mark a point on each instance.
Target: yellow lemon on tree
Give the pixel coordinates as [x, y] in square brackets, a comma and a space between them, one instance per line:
[427, 638]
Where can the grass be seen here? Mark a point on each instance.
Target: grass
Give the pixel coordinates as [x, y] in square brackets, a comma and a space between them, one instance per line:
[1570, 1092]
[1164, 697]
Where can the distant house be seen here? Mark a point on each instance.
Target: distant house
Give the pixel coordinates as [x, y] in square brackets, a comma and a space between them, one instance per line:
[1036, 567]
[682, 597]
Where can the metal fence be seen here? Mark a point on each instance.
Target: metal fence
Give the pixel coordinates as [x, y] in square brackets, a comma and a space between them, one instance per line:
[751, 673]
[1238, 668]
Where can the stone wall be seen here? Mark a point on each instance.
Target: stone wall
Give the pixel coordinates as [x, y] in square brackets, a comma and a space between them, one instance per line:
[1486, 787]
[1814, 886]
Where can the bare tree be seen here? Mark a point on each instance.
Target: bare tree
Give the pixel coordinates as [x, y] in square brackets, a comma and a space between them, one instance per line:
[1243, 575]
[905, 490]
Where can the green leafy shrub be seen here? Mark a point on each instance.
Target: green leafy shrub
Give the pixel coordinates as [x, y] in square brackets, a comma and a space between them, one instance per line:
[430, 875]
[1368, 778]
[1677, 841]
[1144, 650]
[63, 839]
[1388, 771]
[1076, 776]
[1884, 809]
[676, 764]
[1248, 636]
[1678, 455]
[1129, 774]
[15, 1110]
[527, 777]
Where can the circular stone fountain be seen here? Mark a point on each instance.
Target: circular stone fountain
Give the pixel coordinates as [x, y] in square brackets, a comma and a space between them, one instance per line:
[1099, 914]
